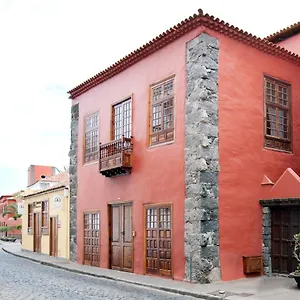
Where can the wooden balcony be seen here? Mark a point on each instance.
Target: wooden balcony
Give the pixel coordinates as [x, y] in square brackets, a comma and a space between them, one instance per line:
[115, 157]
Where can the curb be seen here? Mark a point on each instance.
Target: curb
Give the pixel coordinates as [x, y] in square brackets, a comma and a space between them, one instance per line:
[161, 288]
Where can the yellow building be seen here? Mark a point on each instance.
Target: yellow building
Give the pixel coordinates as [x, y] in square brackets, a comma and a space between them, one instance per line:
[45, 222]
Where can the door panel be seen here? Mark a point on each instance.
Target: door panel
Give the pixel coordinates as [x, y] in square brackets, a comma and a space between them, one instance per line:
[37, 233]
[116, 238]
[158, 241]
[285, 223]
[127, 238]
[91, 239]
[53, 237]
[121, 237]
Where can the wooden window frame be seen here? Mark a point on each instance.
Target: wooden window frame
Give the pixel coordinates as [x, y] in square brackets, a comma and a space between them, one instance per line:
[30, 218]
[121, 103]
[164, 135]
[91, 153]
[274, 141]
[45, 217]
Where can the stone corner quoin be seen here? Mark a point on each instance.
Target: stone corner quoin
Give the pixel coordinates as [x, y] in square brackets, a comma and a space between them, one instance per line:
[73, 180]
[202, 160]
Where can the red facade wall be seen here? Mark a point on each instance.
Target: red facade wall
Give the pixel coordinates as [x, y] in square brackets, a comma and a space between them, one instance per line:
[35, 172]
[158, 173]
[292, 44]
[243, 159]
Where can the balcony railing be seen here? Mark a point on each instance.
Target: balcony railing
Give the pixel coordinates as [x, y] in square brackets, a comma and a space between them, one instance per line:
[115, 157]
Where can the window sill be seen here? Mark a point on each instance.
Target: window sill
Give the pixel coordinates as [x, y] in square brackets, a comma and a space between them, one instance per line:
[90, 163]
[162, 144]
[278, 150]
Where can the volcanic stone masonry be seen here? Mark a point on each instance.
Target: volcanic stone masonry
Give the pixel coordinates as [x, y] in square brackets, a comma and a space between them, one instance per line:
[73, 180]
[202, 160]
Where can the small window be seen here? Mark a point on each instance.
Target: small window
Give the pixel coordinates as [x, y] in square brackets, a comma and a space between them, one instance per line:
[91, 138]
[121, 120]
[30, 218]
[162, 113]
[277, 98]
[45, 217]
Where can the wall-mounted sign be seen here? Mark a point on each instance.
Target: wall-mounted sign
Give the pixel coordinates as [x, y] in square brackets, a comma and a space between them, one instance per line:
[21, 208]
[57, 202]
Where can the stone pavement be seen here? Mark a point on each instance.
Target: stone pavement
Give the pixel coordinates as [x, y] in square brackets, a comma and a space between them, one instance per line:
[258, 288]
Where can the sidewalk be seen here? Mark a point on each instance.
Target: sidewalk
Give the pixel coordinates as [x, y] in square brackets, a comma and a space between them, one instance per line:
[258, 288]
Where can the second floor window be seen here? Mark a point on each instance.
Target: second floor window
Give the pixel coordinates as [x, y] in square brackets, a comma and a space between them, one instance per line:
[91, 138]
[121, 120]
[162, 112]
[277, 114]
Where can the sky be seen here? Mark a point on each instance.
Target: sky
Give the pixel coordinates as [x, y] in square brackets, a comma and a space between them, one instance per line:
[48, 47]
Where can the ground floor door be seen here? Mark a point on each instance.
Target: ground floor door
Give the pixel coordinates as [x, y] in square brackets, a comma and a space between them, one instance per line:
[91, 246]
[285, 223]
[53, 237]
[37, 233]
[121, 237]
[159, 241]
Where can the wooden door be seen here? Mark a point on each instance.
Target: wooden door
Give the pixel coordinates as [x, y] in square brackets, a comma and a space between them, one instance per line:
[285, 223]
[91, 244]
[159, 241]
[121, 240]
[53, 237]
[37, 233]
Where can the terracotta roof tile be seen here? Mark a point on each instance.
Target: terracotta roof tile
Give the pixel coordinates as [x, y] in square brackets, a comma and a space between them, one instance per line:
[60, 177]
[284, 33]
[174, 33]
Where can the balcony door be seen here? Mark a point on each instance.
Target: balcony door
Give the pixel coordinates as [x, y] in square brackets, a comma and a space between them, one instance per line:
[121, 120]
[121, 240]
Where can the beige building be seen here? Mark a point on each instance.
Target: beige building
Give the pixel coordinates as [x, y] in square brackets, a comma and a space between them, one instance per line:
[45, 222]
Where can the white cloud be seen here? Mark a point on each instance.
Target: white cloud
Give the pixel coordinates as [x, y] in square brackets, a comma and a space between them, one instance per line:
[49, 46]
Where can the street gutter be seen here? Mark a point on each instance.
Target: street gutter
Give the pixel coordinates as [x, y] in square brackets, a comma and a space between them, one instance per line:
[162, 288]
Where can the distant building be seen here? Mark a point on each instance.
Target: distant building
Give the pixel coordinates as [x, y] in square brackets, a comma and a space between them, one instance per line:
[9, 201]
[37, 172]
[289, 38]
[45, 222]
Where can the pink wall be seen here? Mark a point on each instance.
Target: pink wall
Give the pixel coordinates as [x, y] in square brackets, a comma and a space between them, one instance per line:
[292, 44]
[242, 157]
[158, 173]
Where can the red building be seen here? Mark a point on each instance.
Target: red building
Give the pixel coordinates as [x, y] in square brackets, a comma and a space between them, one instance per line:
[8, 220]
[37, 172]
[193, 121]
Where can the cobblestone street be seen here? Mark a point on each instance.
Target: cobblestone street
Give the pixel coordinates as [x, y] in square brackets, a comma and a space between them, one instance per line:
[25, 280]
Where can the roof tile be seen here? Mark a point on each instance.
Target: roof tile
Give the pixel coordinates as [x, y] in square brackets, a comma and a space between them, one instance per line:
[174, 33]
